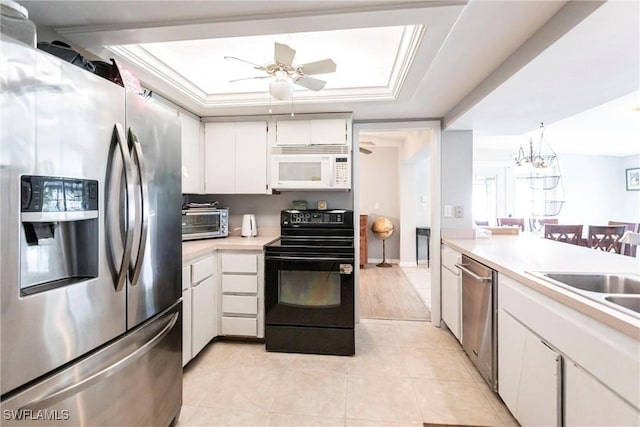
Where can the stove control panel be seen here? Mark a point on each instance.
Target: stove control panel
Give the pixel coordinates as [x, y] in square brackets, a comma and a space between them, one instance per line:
[293, 217]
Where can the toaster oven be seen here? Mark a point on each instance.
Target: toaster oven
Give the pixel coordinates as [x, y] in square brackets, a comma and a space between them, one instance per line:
[205, 223]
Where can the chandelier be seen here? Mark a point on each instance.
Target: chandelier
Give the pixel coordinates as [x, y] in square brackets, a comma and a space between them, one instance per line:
[540, 157]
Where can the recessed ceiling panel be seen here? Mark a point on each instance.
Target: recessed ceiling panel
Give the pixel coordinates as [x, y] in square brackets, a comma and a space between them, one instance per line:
[375, 59]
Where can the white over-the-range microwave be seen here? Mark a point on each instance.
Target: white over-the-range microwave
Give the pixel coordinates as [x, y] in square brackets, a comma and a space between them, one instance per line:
[311, 167]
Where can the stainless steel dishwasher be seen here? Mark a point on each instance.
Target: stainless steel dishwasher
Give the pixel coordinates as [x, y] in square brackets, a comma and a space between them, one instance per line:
[479, 318]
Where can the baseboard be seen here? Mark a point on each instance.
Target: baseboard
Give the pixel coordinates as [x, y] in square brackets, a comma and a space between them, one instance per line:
[379, 260]
[407, 264]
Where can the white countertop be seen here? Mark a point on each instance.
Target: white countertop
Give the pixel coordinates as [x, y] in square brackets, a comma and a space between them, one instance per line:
[195, 248]
[514, 256]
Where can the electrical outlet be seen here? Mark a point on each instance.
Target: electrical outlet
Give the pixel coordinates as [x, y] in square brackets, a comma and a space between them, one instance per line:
[458, 212]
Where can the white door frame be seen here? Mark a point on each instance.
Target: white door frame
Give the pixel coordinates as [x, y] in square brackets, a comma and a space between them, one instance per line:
[435, 200]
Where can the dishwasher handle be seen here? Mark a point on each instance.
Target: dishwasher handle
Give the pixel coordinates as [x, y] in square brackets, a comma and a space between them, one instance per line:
[464, 269]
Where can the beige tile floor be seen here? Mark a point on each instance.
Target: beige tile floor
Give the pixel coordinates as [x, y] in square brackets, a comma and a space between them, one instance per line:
[404, 373]
[420, 278]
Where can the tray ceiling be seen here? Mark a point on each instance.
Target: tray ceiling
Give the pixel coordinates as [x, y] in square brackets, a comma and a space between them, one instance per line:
[372, 64]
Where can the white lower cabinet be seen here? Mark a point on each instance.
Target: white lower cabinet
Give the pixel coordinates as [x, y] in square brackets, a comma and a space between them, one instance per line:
[451, 291]
[242, 308]
[558, 367]
[186, 326]
[204, 314]
[530, 373]
[199, 305]
[186, 314]
[589, 403]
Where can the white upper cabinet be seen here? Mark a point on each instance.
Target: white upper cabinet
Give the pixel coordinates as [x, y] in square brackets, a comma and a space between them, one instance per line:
[293, 132]
[313, 132]
[192, 178]
[236, 157]
[329, 132]
[251, 158]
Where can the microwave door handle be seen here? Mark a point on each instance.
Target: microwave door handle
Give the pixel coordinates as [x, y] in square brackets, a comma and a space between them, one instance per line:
[119, 138]
[327, 170]
[144, 202]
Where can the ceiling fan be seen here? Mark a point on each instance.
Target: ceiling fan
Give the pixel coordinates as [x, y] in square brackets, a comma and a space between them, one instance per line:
[364, 144]
[286, 74]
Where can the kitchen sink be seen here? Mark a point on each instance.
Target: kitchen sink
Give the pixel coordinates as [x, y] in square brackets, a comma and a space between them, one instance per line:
[600, 283]
[628, 302]
[617, 291]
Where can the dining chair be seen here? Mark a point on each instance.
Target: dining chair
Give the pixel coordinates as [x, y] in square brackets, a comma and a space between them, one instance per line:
[563, 233]
[606, 237]
[537, 224]
[634, 227]
[511, 222]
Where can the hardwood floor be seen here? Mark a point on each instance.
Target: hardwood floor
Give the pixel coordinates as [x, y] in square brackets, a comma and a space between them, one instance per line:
[386, 293]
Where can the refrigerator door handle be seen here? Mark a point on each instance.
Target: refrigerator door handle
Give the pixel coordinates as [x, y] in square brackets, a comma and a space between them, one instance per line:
[78, 386]
[119, 137]
[144, 188]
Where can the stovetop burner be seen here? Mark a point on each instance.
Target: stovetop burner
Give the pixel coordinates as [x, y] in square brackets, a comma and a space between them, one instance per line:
[314, 233]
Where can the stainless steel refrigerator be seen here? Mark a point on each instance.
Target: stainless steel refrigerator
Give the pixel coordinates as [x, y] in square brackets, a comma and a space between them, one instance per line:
[90, 254]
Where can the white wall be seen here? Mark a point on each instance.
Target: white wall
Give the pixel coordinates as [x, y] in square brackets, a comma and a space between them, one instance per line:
[267, 207]
[594, 187]
[456, 177]
[379, 189]
[631, 199]
[422, 173]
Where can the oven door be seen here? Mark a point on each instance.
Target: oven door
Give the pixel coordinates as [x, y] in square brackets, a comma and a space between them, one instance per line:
[309, 290]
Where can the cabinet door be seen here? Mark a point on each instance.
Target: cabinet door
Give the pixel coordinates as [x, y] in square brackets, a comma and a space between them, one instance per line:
[219, 155]
[589, 403]
[251, 157]
[451, 287]
[293, 132]
[529, 373]
[192, 177]
[204, 314]
[328, 131]
[186, 326]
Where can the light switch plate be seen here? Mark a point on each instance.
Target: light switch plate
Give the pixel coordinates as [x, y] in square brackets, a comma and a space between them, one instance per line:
[447, 211]
[458, 212]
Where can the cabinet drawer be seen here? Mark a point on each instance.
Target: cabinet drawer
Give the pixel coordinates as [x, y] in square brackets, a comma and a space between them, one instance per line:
[186, 277]
[238, 304]
[239, 326]
[241, 283]
[202, 269]
[239, 263]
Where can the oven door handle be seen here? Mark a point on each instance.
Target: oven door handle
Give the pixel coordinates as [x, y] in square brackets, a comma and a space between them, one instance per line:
[302, 258]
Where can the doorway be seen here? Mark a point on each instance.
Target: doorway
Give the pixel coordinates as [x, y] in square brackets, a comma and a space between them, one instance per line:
[394, 172]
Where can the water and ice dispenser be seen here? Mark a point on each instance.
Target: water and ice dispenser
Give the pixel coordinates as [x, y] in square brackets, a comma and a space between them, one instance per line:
[59, 232]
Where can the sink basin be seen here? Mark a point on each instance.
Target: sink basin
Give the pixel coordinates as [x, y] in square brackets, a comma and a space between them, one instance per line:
[628, 302]
[600, 283]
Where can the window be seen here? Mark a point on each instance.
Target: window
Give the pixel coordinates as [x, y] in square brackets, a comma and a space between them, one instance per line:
[484, 199]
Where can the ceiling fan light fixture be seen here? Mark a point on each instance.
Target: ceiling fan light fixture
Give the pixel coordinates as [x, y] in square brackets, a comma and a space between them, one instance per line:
[281, 88]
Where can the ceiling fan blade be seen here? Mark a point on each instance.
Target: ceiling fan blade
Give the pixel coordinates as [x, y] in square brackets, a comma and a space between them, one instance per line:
[283, 54]
[318, 67]
[256, 66]
[365, 151]
[310, 83]
[249, 78]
